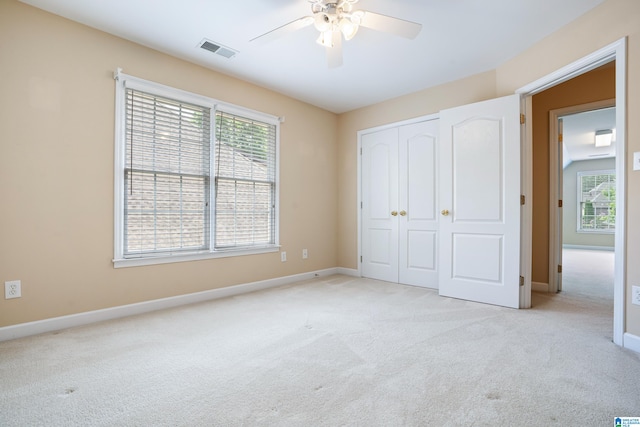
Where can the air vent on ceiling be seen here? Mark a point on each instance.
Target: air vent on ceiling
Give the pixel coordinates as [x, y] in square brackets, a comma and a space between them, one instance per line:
[217, 48]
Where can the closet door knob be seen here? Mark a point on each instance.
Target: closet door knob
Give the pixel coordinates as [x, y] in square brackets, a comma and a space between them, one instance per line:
[445, 212]
[403, 213]
[394, 213]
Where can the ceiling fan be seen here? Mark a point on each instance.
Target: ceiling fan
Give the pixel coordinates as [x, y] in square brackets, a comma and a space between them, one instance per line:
[335, 19]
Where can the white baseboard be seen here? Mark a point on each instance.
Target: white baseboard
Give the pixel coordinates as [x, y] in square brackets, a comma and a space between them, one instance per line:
[348, 272]
[632, 342]
[539, 287]
[57, 323]
[590, 248]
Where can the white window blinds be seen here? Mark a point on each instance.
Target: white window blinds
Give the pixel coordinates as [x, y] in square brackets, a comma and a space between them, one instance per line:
[245, 181]
[195, 178]
[166, 175]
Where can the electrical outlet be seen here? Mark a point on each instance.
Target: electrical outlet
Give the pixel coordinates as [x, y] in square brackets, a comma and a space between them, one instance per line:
[635, 295]
[12, 289]
[283, 256]
[305, 254]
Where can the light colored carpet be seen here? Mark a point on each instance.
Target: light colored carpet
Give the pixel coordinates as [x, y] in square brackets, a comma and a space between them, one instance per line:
[335, 351]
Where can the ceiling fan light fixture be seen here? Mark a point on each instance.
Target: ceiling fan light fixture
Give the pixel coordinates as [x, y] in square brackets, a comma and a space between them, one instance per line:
[346, 7]
[322, 21]
[348, 28]
[326, 38]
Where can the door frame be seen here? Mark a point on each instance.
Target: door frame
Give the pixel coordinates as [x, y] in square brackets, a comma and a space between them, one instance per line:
[555, 171]
[616, 51]
[359, 171]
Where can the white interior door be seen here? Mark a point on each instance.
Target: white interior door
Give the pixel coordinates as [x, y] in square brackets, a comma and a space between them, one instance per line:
[418, 217]
[379, 171]
[399, 212]
[480, 202]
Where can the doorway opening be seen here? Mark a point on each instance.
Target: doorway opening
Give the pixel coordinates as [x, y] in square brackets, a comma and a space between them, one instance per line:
[614, 57]
[583, 241]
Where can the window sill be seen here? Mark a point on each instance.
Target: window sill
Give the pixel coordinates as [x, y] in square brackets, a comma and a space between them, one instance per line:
[596, 231]
[167, 259]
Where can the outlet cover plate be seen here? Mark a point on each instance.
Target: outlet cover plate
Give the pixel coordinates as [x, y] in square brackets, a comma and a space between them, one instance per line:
[12, 289]
[635, 295]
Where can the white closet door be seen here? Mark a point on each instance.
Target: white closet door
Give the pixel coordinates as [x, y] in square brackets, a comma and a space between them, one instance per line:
[480, 202]
[399, 212]
[418, 218]
[379, 169]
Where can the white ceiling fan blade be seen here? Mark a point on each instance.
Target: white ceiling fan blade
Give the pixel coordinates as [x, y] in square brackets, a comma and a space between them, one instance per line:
[389, 24]
[334, 54]
[284, 30]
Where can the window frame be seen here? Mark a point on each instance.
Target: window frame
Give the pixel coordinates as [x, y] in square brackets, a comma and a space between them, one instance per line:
[124, 82]
[579, 176]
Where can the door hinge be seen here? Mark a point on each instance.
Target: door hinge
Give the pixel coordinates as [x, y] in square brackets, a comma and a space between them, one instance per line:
[559, 268]
[361, 206]
[559, 137]
[521, 280]
[522, 199]
[559, 203]
[522, 119]
[360, 258]
[361, 151]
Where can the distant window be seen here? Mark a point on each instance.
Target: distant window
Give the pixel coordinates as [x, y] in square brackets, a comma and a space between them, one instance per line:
[597, 201]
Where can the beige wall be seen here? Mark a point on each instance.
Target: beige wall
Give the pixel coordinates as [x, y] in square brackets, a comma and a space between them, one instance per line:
[596, 85]
[570, 204]
[56, 171]
[603, 25]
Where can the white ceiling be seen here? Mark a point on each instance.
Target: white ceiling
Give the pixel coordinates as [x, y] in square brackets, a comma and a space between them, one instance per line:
[578, 135]
[459, 38]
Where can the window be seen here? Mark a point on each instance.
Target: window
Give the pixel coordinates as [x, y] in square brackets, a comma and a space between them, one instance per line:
[166, 175]
[195, 178]
[244, 181]
[597, 201]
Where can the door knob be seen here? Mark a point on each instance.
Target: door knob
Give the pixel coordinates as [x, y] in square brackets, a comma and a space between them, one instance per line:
[394, 213]
[445, 212]
[403, 213]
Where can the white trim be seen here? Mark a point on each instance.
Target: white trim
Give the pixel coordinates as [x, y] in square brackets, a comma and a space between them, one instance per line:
[581, 66]
[609, 232]
[168, 259]
[526, 211]
[631, 342]
[398, 124]
[160, 89]
[539, 287]
[619, 286]
[57, 323]
[359, 171]
[348, 271]
[590, 248]
[615, 51]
